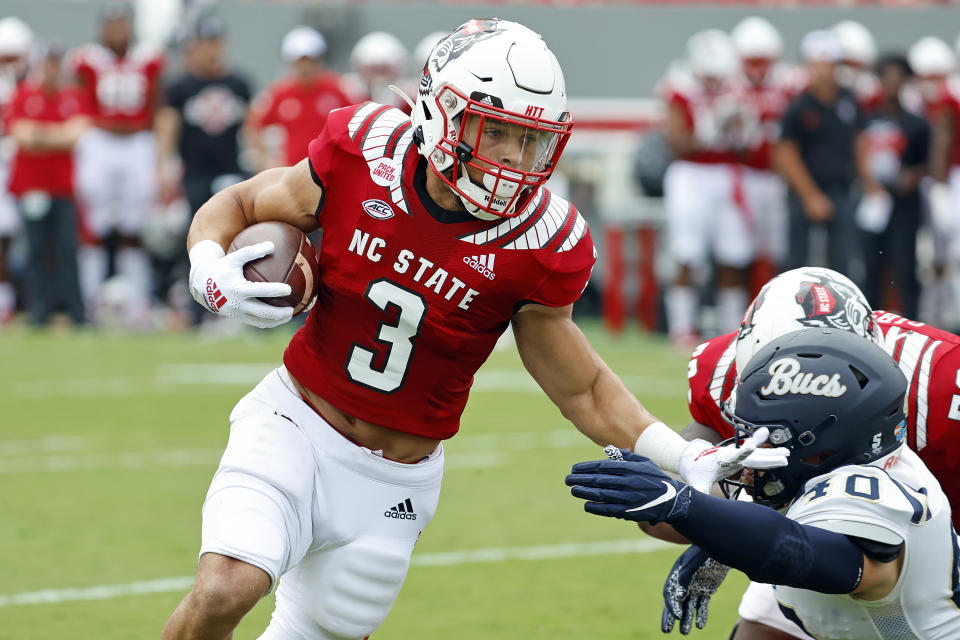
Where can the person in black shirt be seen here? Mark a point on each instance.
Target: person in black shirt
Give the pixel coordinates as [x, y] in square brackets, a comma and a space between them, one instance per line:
[897, 148]
[198, 128]
[820, 154]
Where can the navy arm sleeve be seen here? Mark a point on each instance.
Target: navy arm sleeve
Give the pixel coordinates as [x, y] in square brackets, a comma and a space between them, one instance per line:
[768, 546]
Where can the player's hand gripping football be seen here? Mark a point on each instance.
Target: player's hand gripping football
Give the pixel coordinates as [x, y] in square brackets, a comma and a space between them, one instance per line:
[693, 580]
[702, 464]
[217, 283]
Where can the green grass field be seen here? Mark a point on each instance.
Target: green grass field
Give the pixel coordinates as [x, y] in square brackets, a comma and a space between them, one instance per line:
[108, 443]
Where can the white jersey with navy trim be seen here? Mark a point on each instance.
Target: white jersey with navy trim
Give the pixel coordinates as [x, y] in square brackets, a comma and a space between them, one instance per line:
[902, 503]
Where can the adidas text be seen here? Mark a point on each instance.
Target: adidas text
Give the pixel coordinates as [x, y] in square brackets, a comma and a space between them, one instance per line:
[482, 264]
[403, 511]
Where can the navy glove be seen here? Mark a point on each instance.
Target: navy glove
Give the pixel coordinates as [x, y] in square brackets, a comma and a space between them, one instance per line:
[632, 489]
[695, 577]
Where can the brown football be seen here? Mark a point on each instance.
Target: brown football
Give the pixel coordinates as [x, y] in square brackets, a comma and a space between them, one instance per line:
[293, 261]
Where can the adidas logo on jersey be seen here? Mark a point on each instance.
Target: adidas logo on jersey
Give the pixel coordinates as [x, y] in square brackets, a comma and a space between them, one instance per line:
[403, 511]
[482, 264]
[786, 377]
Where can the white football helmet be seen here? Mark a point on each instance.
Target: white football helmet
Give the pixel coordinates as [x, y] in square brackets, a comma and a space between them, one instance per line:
[859, 46]
[803, 298]
[379, 55]
[492, 85]
[931, 57]
[711, 54]
[755, 37]
[16, 38]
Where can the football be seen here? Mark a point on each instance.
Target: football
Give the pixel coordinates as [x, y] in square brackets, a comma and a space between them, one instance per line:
[293, 261]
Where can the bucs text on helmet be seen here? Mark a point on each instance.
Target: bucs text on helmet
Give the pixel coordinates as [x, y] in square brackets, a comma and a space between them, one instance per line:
[828, 396]
[802, 298]
[491, 115]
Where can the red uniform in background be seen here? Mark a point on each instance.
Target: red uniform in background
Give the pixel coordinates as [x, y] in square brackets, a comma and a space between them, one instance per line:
[927, 356]
[48, 171]
[412, 297]
[299, 109]
[121, 89]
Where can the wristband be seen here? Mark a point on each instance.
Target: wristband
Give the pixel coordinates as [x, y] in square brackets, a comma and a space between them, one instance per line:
[205, 251]
[662, 445]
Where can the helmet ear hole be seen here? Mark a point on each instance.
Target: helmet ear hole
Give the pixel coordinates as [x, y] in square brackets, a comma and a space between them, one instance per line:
[862, 379]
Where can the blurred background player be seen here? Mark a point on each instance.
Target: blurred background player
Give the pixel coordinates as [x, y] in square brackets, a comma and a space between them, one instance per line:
[198, 131]
[897, 148]
[705, 128]
[297, 104]
[46, 119]
[16, 42]
[820, 155]
[116, 159]
[932, 62]
[377, 61]
[769, 85]
[855, 69]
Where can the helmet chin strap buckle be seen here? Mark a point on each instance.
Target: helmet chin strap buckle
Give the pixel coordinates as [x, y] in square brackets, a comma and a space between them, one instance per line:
[464, 152]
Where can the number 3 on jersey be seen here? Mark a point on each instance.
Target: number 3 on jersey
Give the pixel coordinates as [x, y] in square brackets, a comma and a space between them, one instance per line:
[398, 337]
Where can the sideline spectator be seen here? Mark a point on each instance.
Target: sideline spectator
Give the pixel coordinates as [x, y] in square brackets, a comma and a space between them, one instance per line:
[897, 147]
[198, 129]
[16, 41]
[298, 103]
[377, 61]
[46, 119]
[820, 154]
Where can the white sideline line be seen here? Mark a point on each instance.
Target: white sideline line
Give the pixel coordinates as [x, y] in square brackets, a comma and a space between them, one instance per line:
[481, 451]
[440, 559]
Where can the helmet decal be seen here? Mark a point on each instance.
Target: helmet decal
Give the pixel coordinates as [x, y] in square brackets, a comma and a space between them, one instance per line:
[454, 45]
[832, 304]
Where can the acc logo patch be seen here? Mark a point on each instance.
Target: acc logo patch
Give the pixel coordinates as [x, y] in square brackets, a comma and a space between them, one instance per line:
[385, 172]
[377, 209]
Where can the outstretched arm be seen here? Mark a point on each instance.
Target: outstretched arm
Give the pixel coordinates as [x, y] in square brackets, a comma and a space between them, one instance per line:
[764, 544]
[577, 380]
[589, 394]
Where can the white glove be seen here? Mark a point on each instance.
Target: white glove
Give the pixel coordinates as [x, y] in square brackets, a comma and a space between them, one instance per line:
[702, 464]
[217, 283]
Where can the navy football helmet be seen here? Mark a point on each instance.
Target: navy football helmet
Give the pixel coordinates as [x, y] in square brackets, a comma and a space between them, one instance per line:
[829, 396]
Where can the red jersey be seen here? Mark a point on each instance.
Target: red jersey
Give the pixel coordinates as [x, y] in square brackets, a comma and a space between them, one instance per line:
[708, 114]
[412, 297]
[300, 109]
[767, 101]
[928, 357]
[121, 89]
[50, 171]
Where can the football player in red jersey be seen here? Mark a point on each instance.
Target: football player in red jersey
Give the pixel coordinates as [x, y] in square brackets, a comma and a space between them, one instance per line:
[116, 158]
[437, 233]
[706, 127]
[813, 297]
[768, 87]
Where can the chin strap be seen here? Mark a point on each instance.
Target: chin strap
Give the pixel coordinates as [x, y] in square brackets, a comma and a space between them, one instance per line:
[403, 94]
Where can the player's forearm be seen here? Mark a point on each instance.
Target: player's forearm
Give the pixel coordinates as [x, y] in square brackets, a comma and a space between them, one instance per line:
[768, 546]
[790, 165]
[220, 219]
[608, 413]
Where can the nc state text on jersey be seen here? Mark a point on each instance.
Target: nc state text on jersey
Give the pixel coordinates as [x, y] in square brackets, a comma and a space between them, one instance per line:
[407, 261]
